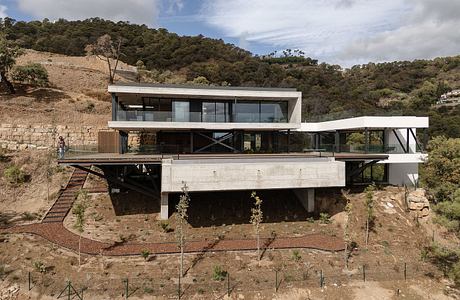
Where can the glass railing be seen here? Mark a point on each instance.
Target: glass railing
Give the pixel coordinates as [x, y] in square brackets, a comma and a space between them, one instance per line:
[361, 148]
[79, 150]
[167, 116]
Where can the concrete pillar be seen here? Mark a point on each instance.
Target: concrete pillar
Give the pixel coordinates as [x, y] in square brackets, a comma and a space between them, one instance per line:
[310, 200]
[306, 198]
[164, 213]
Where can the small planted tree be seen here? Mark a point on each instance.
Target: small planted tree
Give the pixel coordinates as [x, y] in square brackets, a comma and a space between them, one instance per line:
[79, 213]
[346, 233]
[257, 218]
[106, 49]
[370, 216]
[181, 216]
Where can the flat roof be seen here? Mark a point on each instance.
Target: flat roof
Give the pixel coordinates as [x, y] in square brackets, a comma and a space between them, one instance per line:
[224, 92]
[203, 87]
[380, 122]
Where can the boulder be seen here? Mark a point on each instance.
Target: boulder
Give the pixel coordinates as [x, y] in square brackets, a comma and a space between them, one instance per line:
[417, 201]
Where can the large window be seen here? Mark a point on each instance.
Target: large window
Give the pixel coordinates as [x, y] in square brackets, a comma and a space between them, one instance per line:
[197, 110]
[273, 112]
[247, 112]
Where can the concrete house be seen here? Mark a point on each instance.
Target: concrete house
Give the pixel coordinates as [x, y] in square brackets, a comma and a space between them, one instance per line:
[232, 138]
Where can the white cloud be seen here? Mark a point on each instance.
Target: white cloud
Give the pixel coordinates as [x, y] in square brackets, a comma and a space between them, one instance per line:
[343, 31]
[136, 11]
[3, 11]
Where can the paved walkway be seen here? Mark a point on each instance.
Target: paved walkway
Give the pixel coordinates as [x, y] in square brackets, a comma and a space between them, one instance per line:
[58, 234]
[54, 231]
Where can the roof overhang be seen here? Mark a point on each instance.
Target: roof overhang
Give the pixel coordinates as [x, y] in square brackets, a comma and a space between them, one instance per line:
[367, 122]
[206, 92]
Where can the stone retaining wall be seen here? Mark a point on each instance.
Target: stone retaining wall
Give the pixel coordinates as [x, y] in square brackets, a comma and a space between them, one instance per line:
[21, 137]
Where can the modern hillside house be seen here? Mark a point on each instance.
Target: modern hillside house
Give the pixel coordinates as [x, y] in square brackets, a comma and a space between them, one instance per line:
[230, 138]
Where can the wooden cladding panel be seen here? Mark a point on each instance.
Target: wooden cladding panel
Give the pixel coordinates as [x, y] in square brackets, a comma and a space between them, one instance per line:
[108, 141]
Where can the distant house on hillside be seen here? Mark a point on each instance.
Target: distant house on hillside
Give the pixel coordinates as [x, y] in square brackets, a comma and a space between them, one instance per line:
[452, 97]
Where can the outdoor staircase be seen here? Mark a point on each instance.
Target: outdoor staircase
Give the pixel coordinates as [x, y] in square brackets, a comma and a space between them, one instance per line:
[66, 198]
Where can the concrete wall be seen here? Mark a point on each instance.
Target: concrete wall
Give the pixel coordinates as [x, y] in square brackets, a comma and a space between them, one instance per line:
[243, 174]
[20, 137]
[403, 173]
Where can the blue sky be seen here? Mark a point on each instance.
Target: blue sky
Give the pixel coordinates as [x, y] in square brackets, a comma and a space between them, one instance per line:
[345, 32]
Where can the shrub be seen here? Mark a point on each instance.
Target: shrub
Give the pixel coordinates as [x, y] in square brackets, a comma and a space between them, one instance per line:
[165, 227]
[145, 254]
[40, 267]
[218, 274]
[34, 74]
[14, 175]
[296, 256]
[324, 218]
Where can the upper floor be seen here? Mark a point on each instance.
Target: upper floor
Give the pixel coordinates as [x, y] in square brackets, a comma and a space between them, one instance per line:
[163, 107]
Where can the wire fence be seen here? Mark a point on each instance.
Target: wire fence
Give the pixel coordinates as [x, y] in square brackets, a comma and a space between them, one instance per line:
[81, 285]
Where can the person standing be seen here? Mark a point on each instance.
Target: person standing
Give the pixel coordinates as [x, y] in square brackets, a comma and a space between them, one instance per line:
[61, 147]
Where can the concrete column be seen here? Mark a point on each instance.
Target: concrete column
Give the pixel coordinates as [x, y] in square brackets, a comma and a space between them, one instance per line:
[306, 198]
[310, 200]
[164, 213]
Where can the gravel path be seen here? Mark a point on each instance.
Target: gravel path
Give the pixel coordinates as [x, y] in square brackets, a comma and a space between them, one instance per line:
[58, 234]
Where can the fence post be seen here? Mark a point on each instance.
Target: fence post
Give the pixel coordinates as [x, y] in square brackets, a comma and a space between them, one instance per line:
[405, 271]
[228, 284]
[30, 280]
[276, 281]
[178, 287]
[68, 290]
[364, 273]
[126, 288]
[321, 279]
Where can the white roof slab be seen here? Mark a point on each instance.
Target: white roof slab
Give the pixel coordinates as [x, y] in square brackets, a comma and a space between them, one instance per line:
[367, 121]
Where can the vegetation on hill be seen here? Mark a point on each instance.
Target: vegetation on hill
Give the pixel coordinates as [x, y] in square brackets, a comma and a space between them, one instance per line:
[385, 88]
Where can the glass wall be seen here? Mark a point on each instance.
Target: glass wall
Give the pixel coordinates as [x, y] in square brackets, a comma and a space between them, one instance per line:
[183, 110]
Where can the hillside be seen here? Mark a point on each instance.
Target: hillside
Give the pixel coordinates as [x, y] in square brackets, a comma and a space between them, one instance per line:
[395, 87]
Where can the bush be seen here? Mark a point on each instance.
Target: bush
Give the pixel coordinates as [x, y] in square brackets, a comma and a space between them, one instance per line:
[40, 267]
[14, 175]
[164, 225]
[218, 274]
[447, 260]
[324, 218]
[34, 74]
[296, 256]
[145, 254]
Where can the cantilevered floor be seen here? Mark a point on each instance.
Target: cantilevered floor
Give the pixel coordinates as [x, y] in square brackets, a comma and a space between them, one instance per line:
[127, 159]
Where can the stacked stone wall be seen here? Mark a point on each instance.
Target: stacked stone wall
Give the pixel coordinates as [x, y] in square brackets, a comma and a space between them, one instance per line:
[21, 137]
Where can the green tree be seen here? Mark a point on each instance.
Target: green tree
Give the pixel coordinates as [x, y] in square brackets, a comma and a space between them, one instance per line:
[34, 74]
[256, 219]
[181, 217]
[14, 175]
[441, 172]
[8, 54]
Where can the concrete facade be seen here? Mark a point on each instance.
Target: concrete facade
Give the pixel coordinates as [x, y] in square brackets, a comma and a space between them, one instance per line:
[221, 175]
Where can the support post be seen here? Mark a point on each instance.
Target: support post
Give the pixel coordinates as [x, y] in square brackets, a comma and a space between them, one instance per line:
[289, 140]
[164, 212]
[337, 141]
[366, 139]
[306, 198]
[114, 107]
[407, 140]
